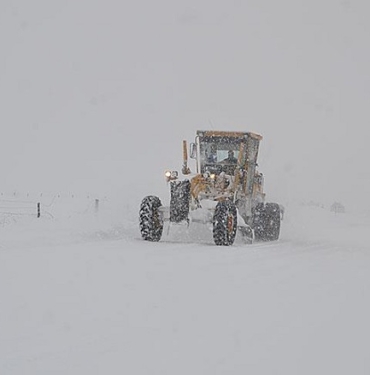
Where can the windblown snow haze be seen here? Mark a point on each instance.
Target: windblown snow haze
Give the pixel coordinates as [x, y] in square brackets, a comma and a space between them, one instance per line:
[96, 98]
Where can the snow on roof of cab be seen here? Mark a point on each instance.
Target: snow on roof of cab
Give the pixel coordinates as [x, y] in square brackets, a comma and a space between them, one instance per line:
[218, 133]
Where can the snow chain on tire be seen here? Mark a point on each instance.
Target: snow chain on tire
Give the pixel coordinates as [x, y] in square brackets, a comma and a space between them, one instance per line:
[151, 221]
[224, 223]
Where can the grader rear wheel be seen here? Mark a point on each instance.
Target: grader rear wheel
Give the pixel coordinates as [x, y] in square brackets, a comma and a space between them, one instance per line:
[272, 226]
[224, 223]
[266, 222]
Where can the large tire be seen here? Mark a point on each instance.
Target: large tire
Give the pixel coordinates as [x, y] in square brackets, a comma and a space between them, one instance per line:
[151, 221]
[259, 222]
[180, 201]
[224, 223]
[266, 222]
[273, 219]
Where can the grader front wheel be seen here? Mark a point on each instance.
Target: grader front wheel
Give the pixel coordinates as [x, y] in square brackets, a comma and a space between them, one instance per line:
[151, 222]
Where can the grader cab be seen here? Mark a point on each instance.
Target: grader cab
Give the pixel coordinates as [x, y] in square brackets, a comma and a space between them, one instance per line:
[225, 189]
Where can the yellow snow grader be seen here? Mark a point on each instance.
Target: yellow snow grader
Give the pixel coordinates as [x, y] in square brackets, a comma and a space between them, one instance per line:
[225, 190]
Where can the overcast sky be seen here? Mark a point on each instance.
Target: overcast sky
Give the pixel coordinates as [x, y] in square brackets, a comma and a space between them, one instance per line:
[97, 94]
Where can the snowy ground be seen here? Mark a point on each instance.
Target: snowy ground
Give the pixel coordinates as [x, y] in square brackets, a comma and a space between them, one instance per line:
[81, 293]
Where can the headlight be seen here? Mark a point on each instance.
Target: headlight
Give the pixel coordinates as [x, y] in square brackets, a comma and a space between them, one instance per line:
[207, 174]
[171, 175]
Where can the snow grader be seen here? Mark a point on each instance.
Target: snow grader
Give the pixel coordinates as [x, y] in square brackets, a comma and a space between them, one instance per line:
[225, 192]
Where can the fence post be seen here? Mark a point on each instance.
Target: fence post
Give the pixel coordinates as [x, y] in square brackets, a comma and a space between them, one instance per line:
[96, 205]
[38, 210]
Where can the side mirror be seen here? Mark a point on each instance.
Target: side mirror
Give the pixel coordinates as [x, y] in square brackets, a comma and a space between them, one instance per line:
[193, 151]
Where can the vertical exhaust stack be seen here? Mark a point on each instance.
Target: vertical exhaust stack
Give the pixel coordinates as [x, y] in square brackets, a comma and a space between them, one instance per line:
[185, 169]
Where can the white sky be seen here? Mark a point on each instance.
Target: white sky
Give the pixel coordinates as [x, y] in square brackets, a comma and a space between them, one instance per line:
[96, 93]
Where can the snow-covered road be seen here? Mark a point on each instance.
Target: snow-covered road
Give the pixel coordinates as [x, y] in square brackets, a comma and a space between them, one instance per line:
[113, 304]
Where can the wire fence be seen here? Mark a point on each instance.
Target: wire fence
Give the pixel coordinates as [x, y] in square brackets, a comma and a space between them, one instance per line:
[14, 206]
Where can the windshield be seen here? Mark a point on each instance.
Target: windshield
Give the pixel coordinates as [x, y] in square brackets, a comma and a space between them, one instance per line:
[216, 152]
